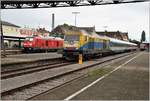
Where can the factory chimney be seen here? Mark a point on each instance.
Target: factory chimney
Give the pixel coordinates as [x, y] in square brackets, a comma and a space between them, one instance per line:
[53, 21]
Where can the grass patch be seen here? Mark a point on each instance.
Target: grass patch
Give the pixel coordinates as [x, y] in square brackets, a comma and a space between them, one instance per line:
[99, 72]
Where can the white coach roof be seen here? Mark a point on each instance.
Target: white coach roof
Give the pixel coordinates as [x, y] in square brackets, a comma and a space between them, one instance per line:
[120, 41]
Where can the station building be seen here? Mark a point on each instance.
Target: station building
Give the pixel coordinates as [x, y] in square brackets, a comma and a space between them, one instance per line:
[14, 35]
[62, 29]
[11, 34]
[115, 34]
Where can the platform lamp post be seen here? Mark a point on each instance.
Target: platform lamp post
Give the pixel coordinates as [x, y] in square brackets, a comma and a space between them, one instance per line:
[105, 29]
[80, 61]
[75, 13]
[2, 41]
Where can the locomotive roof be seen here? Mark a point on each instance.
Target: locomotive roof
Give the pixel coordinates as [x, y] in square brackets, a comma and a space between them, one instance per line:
[49, 37]
[101, 37]
[94, 35]
[57, 38]
[85, 33]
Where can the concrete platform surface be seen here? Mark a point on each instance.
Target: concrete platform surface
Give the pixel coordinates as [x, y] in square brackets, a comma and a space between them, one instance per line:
[130, 82]
[19, 81]
[11, 51]
[19, 58]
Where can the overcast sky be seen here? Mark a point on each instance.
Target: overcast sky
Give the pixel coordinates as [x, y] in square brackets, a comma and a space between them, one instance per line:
[131, 18]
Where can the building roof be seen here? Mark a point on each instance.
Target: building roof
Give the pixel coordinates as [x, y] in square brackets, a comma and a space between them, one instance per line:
[115, 34]
[62, 29]
[9, 24]
[89, 29]
[111, 32]
[42, 30]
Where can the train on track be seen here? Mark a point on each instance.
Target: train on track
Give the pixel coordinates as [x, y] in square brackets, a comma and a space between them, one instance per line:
[92, 44]
[144, 46]
[40, 43]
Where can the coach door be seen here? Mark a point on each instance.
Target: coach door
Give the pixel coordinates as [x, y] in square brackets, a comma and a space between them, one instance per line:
[46, 43]
[37, 43]
[104, 44]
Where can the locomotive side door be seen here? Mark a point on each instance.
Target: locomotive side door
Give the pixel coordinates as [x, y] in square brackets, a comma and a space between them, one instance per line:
[46, 43]
[91, 43]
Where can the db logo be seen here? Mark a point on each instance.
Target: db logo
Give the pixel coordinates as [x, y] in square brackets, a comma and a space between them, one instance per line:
[71, 42]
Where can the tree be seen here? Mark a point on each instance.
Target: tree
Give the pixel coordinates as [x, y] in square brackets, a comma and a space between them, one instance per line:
[143, 36]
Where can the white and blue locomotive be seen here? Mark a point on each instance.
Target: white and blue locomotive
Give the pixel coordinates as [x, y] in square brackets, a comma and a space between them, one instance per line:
[92, 44]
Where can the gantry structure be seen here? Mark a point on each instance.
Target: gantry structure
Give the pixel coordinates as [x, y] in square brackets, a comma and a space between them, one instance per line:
[23, 4]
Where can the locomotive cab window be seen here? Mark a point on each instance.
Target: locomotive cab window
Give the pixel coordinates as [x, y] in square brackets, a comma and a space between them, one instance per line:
[71, 38]
[86, 38]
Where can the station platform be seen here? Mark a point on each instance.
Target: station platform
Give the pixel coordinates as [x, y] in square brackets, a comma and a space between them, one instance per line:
[23, 58]
[11, 51]
[129, 82]
[19, 81]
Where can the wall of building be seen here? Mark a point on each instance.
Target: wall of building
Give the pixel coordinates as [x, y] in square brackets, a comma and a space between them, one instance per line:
[13, 31]
[117, 35]
[10, 30]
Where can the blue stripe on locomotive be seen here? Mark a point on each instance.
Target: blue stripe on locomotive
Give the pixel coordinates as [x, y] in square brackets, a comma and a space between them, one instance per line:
[92, 45]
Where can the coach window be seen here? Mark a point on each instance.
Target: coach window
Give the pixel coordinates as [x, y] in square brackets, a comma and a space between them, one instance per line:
[104, 44]
[107, 44]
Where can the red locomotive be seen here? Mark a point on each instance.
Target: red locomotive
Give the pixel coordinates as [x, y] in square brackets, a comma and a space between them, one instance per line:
[40, 43]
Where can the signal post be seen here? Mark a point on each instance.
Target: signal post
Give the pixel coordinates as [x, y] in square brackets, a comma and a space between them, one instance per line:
[80, 59]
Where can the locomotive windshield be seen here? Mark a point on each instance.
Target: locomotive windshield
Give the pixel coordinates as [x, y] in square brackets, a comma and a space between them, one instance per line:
[71, 38]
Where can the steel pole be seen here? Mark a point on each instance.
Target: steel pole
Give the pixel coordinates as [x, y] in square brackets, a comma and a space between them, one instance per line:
[75, 13]
[75, 19]
[2, 41]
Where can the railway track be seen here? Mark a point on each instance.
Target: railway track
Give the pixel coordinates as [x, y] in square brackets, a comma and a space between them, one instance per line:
[17, 72]
[28, 64]
[56, 77]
